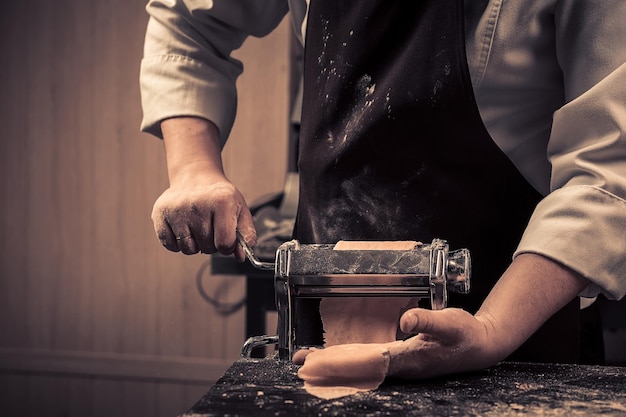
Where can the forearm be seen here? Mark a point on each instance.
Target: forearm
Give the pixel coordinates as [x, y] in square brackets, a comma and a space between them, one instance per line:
[531, 290]
[192, 149]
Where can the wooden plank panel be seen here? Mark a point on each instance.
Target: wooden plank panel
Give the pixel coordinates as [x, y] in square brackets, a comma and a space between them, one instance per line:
[42, 206]
[121, 296]
[69, 67]
[13, 179]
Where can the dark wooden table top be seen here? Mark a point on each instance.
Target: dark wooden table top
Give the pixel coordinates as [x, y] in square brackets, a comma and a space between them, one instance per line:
[269, 387]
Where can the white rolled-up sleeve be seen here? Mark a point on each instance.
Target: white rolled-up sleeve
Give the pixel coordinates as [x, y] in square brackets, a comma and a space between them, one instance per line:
[187, 68]
[581, 223]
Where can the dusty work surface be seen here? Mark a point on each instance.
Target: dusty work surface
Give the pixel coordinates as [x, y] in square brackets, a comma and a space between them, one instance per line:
[268, 387]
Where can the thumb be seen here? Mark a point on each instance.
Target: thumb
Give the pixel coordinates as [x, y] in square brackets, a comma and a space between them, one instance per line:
[419, 320]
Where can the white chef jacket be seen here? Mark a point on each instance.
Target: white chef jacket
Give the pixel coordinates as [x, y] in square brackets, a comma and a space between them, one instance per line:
[549, 78]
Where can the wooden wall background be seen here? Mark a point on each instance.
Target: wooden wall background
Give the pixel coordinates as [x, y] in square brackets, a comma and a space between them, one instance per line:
[96, 318]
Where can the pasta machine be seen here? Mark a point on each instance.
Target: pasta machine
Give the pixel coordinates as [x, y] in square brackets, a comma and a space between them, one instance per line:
[318, 271]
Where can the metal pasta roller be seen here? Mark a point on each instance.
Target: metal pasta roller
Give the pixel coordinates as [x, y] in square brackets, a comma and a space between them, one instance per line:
[318, 271]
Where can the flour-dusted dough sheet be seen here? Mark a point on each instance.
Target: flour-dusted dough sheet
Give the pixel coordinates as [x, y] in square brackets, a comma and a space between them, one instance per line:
[376, 245]
[364, 319]
[361, 319]
[355, 330]
[363, 368]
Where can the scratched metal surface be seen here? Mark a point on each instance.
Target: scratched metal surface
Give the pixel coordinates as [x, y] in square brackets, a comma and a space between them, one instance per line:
[268, 387]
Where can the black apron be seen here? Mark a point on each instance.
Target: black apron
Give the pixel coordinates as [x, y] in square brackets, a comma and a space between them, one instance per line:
[393, 147]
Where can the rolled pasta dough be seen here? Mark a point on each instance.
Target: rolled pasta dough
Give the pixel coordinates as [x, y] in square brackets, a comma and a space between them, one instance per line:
[356, 328]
